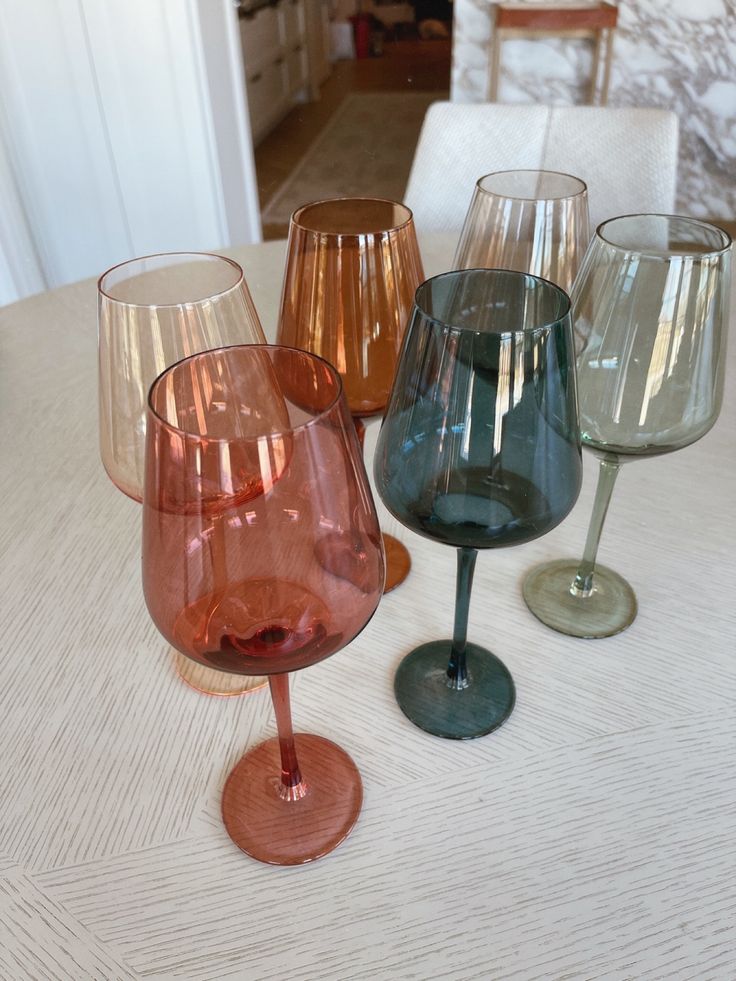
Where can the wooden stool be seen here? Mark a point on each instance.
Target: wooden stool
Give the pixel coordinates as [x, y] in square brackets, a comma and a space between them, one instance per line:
[593, 20]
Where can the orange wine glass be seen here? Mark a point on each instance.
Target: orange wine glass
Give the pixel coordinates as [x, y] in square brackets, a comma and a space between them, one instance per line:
[352, 269]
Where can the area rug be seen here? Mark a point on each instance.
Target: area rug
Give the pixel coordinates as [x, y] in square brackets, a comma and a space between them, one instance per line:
[365, 149]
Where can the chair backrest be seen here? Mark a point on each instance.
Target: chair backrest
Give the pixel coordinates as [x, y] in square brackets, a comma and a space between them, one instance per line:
[627, 157]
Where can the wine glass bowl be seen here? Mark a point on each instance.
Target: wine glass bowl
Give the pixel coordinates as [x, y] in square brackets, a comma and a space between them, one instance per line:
[352, 268]
[650, 309]
[479, 449]
[533, 221]
[152, 312]
[246, 573]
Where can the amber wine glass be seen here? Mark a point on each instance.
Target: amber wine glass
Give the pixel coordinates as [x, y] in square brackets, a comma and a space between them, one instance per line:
[154, 311]
[254, 483]
[533, 221]
[352, 268]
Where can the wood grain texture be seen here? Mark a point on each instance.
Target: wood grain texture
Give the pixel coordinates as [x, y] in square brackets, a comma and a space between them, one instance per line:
[590, 17]
[591, 837]
[41, 939]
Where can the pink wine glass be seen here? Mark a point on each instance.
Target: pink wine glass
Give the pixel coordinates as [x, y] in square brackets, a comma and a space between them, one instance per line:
[152, 312]
[261, 555]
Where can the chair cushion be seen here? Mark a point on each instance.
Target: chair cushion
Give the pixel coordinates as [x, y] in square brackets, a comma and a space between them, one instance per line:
[627, 157]
[460, 142]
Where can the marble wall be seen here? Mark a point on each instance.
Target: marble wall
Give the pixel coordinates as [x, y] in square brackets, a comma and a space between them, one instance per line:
[671, 54]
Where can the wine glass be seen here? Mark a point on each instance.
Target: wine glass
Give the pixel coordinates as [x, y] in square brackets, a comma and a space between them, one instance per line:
[534, 221]
[154, 311]
[352, 267]
[253, 471]
[650, 305]
[479, 448]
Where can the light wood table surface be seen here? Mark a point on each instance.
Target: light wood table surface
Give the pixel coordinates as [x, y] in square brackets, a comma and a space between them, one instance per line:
[591, 837]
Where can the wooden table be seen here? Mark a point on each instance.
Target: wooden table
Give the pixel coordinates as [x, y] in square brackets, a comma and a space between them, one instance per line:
[591, 837]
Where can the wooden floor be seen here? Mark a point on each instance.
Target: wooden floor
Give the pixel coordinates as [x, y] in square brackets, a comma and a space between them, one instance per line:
[406, 66]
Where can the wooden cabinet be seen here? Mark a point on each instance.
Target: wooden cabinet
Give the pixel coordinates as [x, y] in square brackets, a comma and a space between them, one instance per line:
[274, 39]
[318, 43]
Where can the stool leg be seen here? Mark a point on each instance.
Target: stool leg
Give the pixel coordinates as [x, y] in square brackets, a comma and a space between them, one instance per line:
[607, 66]
[596, 67]
[494, 67]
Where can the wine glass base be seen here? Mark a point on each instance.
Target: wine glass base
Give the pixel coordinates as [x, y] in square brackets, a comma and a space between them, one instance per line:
[610, 608]
[209, 681]
[291, 832]
[398, 562]
[424, 697]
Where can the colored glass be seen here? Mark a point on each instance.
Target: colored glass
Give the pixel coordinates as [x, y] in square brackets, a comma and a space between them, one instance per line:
[534, 221]
[352, 268]
[650, 307]
[154, 311]
[261, 555]
[479, 448]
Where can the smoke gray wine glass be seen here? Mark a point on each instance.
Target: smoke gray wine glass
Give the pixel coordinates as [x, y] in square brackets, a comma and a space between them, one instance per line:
[479, 448]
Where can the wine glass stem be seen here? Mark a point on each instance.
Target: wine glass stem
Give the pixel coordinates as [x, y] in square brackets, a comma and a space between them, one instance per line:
[292, 786]
[457, 672]
[582, 585]
[360, 430]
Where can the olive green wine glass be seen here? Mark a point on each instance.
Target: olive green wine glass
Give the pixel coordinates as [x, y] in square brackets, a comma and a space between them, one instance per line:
[650, 309]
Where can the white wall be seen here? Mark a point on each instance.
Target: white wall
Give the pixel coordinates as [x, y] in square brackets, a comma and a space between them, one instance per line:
[125, 131]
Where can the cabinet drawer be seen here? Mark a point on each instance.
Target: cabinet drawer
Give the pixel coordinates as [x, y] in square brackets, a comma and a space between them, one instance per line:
[260, 37]
[293, 22]
[297, 65]
[267, 96]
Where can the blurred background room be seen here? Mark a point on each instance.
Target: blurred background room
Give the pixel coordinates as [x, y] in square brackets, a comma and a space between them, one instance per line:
[150, 125]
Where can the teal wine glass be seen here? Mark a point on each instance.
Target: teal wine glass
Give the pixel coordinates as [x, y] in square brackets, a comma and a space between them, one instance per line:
[479, 448]
[650, 307]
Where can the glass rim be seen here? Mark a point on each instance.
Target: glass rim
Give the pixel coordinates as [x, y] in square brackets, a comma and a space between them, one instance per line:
[582, 186]
[663, 253]
[295, 216]
[458, 329]
[201, 438]
[159, 255]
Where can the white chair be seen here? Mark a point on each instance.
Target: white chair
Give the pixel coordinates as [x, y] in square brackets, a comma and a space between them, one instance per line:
[627, 157]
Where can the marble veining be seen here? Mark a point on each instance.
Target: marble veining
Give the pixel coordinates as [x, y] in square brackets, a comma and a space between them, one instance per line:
[670, 54]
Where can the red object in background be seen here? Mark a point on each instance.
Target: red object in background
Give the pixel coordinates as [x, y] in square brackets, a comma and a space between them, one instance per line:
[362, 31]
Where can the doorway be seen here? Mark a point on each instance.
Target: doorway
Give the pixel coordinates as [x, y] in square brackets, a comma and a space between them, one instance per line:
[358, 137]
